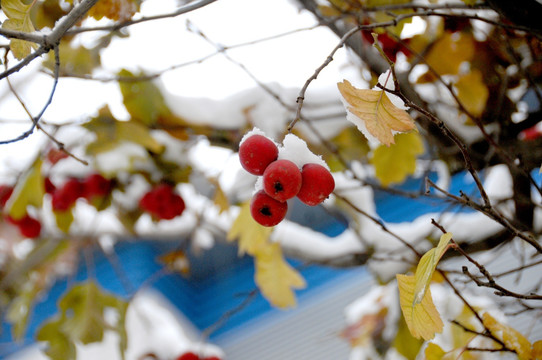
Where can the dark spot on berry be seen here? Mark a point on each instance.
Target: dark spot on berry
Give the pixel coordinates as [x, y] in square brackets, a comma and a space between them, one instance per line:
[265, 211]
[278, 187]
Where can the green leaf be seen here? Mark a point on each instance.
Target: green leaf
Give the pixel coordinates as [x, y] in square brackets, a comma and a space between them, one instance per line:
[111, 132]
[143, 99]
[19, 310]
[29, 190]
[59, 344]
[394, 163]
[18, 15]
[83, 309]
[82, 320]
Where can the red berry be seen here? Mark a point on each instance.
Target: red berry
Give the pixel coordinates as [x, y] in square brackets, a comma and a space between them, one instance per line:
[282, 180]
[188, 356]
[55, 155]
[28, 226]
[65, 197]
[531, 133]
[212, 358]
[50, 188]
[316, 185]
[256, 152]
[96, 185]
[266, 210]
[5, 193]
[162, 202]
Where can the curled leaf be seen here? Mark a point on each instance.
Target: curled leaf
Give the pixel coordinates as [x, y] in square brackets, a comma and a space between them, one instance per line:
[374, 111]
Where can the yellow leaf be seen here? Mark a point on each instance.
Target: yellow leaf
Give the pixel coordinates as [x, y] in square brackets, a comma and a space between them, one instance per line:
[18, 15]
[221, 200]
[426, 267]
[29, 190]
[374, 111]
[434, 352]
[64, 219]
[448, 52]
[350, 144]
[394, 163]
[74, 60]
[275, 277]
[537, 350]
[472, 92]
[120, 10]
[176, 261]
[384, 16]
[405, 343]
[251, 235]
[423, 319]
[511, 338]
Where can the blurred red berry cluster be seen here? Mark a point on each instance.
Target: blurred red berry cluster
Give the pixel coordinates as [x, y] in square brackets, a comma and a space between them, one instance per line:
[162, 202]
[282, 180]
[193, 356]
[27, 225]
[92, 187]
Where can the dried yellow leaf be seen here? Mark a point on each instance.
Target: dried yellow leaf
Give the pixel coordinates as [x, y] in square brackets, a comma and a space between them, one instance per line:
[472, 92]
[511, 338]
[394, 163]
[251, 235]
[374, 111]
[18, 15]
[275, 277]
[448, 52]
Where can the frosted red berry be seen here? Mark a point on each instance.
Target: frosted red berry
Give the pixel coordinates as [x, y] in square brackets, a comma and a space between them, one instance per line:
[5, 193]
[64, 197]
[96, 185]
[282, 180]
[256, 153]
[317, 184]
[266, 210]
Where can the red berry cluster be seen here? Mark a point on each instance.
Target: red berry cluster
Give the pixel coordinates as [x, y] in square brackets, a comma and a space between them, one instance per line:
[162, 202]
[282, 180]
[28, 226]
[192, 356]
[90, 188]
